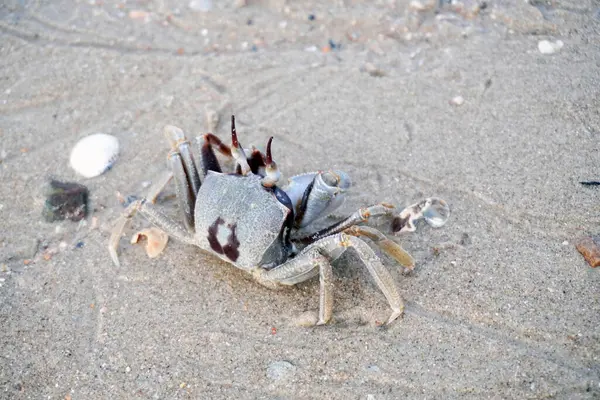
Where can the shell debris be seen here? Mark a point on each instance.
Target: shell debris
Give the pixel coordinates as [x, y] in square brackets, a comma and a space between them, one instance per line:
[156, 240]
[94, 154]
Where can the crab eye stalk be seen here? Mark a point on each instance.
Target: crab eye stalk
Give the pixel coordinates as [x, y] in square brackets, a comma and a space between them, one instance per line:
[272, 173]
[234, 139]
[237, 152]
[269, 156]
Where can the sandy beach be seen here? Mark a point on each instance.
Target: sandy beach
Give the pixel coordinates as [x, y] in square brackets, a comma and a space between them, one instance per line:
[413, 99]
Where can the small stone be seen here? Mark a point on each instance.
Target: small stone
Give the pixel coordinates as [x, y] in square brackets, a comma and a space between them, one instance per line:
[421, 6]
[372, 70]
[66, 200]
[589, 247]
[548, 47]
[138, 14]
[212, 120]
[279, 370]
[373, 368]
[306, 319]
[457, 101]
[128, 369]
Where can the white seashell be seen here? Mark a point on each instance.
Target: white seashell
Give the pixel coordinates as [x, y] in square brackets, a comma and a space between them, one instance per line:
[547, 47]
[457, 101]
[95, 154]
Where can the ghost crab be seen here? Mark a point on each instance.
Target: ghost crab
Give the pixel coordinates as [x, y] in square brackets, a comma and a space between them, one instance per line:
[246, 219]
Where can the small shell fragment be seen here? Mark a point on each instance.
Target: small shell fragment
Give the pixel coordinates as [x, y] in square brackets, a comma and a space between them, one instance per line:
[95, 154]
[548, 47]
[589, 247]
[156, 240]
[457, 101]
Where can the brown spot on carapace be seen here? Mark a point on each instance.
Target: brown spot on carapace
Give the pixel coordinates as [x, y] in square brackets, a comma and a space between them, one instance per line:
[212, 236]
[233, 244]
[399, 223]
[231, 249]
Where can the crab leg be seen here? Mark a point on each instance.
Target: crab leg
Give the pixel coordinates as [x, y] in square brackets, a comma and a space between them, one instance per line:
[209, 159]
[181, 145]
[316, 260]
[152, 214]
[185, 194]
[302, 269]
[390, 247]
[187, 180]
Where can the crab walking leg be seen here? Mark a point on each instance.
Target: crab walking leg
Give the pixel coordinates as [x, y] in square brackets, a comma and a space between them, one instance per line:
[157, 188]
[185, 194]
[304, 265]
[153, 215]
[209, 159]
[380, 275]
[181, 145]
[391, 248]
[301, 269]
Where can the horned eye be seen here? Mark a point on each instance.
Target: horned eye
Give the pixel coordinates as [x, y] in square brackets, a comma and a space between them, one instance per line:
[330, 178]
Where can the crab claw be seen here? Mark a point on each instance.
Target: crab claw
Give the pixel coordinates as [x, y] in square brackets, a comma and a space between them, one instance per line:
[272, 173]
[433, 210]
[237, 151]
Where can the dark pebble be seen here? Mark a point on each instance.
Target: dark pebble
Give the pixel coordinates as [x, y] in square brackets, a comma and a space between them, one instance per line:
[66, 200]
[333, 45]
